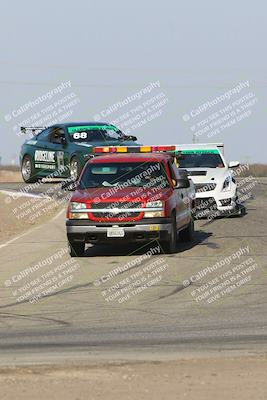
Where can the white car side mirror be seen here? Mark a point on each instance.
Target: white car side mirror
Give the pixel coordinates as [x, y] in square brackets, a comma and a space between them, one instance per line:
[233, 164]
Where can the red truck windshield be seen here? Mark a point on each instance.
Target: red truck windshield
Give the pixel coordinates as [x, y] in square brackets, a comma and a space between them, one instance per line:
[123, 175]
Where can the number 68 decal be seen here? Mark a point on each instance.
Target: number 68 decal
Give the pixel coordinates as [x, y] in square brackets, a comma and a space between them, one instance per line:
[80, 135]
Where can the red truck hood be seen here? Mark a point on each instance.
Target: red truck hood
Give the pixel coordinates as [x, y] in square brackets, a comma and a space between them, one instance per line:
[111, 194]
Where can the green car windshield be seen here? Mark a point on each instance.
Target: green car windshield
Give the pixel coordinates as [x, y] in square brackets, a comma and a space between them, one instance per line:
[94, 133]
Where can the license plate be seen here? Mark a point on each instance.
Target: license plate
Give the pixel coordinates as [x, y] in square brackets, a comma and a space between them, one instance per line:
[115, 232]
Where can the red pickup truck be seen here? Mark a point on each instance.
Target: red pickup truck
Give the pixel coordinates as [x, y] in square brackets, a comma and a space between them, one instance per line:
[131, 197]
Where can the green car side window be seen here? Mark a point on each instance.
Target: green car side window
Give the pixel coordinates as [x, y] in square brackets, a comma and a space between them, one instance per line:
[44, 135]
[56, 136]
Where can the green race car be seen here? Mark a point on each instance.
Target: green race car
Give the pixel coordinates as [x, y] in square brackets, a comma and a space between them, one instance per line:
[62, 150]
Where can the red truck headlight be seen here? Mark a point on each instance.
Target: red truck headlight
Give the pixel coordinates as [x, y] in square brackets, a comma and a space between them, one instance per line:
[77, 210]
[155, 209]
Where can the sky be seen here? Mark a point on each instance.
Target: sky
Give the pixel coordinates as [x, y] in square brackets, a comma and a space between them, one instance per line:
[147, 66]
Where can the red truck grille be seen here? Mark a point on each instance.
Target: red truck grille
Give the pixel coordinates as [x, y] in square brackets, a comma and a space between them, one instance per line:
[116, 211]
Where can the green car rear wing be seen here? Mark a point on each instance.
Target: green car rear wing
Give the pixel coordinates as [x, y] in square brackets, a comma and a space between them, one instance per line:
[33, 129]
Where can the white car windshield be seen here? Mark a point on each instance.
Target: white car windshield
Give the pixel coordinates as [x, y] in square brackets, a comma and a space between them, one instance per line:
[201, 159]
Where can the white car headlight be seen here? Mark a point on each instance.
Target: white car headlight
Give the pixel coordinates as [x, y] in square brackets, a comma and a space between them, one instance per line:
[227, 184]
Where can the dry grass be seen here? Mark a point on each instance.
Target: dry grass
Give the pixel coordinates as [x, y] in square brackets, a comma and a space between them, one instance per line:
[7, 176]
[9, 168]
[257, 170]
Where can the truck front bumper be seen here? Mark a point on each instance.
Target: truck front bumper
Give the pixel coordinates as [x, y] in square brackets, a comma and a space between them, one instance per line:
[91, 232]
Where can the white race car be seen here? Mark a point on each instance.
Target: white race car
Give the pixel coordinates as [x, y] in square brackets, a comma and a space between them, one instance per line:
[216, 189]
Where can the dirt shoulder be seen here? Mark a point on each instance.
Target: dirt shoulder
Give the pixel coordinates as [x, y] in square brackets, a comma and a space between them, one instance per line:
[200, 378]
[10, 176]
[18, 215]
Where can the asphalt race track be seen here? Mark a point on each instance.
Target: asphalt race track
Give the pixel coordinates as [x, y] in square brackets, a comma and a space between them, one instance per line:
[166, 318]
